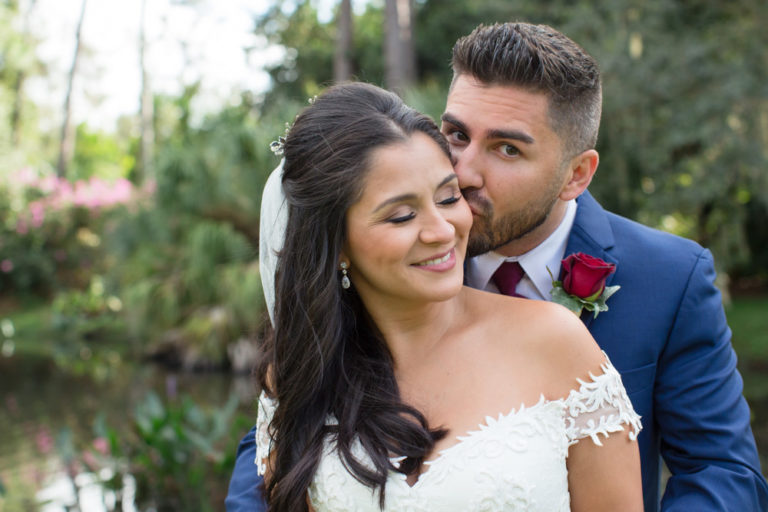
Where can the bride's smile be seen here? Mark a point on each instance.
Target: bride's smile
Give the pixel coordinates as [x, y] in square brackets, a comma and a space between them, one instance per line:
[439, 263]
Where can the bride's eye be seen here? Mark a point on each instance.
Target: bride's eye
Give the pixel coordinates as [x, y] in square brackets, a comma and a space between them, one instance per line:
[451, 200]
[401, 218]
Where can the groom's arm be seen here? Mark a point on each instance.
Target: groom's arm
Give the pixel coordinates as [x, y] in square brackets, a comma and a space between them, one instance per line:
[243, 495]
[706, 439]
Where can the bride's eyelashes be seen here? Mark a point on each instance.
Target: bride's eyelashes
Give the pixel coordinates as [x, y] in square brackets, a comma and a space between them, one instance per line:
[451, 200]
[402, 218]
[399, 219]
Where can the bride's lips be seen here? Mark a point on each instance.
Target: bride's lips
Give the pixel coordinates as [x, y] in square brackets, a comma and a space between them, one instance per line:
[439, 262]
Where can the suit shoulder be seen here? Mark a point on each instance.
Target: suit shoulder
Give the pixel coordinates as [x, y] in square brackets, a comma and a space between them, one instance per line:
[654, 248]
[645, 257]
[652, 237]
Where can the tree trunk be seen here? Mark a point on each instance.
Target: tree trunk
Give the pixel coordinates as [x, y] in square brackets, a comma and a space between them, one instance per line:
[67, 143]
[407, 49]
[18, 85]
[342, 64]
[400, 58]
[146, 108]
[18, 104]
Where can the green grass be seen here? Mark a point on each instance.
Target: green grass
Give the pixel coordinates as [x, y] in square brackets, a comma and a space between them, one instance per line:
[748, 319]
[31, 325]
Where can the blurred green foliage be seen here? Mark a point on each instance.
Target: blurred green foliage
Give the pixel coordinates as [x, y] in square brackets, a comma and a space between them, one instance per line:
[101, 154]
[186, 264]
[177, 455]
[48, 238]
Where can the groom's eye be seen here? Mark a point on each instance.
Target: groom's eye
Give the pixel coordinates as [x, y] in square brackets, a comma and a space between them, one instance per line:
[509, 150]
[457, 136]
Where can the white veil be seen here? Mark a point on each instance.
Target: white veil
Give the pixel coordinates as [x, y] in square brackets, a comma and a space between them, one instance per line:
[272, 223]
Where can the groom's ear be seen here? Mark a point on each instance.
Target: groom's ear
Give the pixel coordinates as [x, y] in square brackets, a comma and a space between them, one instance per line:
[581, 169]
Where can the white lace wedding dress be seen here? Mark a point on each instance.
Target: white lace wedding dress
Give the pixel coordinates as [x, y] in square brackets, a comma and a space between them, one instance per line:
[515, 461]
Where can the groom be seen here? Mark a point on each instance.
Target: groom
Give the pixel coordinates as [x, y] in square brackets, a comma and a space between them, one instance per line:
[522, 118]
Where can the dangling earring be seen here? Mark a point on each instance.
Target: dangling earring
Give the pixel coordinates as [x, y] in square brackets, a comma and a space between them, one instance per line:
[344, 277]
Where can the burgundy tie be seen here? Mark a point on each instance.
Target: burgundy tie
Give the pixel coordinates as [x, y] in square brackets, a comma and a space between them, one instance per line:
[507, 276]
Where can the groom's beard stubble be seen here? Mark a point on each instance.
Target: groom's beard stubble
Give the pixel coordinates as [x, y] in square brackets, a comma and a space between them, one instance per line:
[488, 234]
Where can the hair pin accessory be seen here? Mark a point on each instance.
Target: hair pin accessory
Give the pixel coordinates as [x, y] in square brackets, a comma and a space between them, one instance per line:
[278, 146]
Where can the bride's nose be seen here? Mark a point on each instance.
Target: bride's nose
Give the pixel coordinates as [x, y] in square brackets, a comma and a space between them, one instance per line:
[436, 229]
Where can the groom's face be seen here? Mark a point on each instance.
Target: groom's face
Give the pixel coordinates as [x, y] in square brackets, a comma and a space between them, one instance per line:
[509, 163]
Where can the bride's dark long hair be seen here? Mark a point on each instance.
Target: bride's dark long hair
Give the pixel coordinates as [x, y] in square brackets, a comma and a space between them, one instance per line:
[326, 357]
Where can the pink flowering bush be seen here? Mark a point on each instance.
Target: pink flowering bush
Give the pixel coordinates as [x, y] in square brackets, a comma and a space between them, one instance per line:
[51, 228]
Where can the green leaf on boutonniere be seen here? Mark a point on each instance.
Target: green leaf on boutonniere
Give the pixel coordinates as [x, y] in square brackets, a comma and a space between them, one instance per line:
[560, 296]
[576, 304]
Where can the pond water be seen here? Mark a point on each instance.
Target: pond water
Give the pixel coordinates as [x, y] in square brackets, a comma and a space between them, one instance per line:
[45, 412]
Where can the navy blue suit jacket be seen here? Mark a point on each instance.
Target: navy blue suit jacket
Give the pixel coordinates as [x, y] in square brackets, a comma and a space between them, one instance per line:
[667, 335]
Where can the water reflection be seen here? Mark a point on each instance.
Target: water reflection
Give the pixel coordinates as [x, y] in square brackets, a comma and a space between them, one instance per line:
[47, 419]
[87, 496]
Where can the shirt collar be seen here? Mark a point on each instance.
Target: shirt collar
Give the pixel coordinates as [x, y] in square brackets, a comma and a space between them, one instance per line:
[537, 282]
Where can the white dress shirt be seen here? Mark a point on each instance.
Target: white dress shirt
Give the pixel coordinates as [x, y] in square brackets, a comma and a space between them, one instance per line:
[536, 283]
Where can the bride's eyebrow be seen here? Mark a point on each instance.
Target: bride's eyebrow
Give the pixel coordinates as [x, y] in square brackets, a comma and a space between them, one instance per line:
[412, 197]
[397, 199]
[447, 179]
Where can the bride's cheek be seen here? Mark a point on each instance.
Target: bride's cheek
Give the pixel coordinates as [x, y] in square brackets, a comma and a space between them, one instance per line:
[466, 219]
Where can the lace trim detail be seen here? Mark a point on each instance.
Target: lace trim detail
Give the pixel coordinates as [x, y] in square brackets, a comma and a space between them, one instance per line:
[600, 406]
[263, 436]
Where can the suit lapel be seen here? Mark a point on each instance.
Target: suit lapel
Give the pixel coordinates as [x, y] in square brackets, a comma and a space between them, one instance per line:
[591, 234]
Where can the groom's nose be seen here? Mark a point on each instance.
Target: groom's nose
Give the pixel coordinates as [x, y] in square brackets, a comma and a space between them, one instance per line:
[466, 165]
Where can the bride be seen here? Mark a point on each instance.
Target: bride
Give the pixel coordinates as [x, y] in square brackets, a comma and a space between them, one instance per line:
[388, 385]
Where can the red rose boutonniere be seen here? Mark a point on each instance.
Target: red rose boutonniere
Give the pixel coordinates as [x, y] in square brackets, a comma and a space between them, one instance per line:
[583, 284]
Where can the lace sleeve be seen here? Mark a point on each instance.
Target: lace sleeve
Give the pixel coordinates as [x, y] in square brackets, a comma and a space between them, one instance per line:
[600, 406]
[263, 436]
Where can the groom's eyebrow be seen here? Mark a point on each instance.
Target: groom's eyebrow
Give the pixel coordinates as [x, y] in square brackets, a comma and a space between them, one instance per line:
[510, 135]
[448, 118]
[491, 134]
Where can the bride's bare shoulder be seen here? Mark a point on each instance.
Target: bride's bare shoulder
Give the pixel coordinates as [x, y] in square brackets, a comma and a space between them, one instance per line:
[507, 312]
[548, 336]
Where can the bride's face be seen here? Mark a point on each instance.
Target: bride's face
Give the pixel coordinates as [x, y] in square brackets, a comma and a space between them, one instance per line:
[407, 235]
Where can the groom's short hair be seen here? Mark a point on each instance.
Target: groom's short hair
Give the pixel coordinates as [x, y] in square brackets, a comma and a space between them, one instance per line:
[540, 59]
